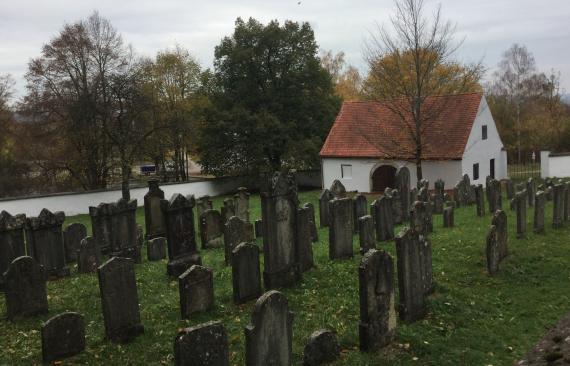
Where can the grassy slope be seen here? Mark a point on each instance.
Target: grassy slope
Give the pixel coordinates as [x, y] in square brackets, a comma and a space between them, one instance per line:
[473, 319]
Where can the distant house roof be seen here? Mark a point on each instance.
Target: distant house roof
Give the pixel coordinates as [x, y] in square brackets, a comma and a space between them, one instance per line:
[374, 130]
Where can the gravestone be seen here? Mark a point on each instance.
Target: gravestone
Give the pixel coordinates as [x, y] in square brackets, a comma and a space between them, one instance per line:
[366, 233]
[403, 187]
[448, 217]
[63, 336]
[72, 236]
[314, 232]
[530, 191]
[521, 199]
[494, 195]
[204, 203]
[566, 216]
[88, 256]
[340, 228]
[377, 326]
[44, 241]
[480, 200]
[258, 228]
[423, 183]
[438, 196]
[124, 235]
[463, 192]
[25, 288]
[558, 206]
[322, 348]
[337, 189]
[421, 217]
[500, 222]
[423, 195]
[304, 250]
[413, 198]
[269, 337]
[510, 186]
[360, 207]
[241, 200]
[211, 229]
[246, 276]
[539, 209]
[324, 199]
[153, 215]
[180, 235]
[203, 344]
[279, 204]
[119, 299]
[196, 289]
[156, 249]
[493, 251]
[397, 212]
[228, 209]
[236, 231]
[12, 243]
[384, 224]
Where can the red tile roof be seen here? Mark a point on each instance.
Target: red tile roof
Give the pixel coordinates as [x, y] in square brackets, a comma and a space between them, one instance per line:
[373, 130]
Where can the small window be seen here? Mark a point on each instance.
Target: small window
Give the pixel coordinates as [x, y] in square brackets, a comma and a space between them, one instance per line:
[484, 132]
[346, 171]
[475, 171]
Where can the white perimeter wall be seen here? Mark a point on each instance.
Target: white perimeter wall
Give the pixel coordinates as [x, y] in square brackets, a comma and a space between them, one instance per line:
[554, 166]
[482, 151]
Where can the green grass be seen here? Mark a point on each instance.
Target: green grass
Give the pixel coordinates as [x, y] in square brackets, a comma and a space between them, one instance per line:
[473, 319]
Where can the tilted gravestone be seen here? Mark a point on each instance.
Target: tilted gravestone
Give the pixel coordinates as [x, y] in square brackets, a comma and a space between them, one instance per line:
[241, 200]
[203, 344]
[403, 187]
[480, 200]
[211, 229]
[384, 223]
[558, 206]
[448, 217]
[539, 208]
[500, 222]
[44, 241]
[72, 236]
[360, 207]
[279, 204]
[246, 275]
[236, 231]
[228, 209]
[180, 235]
[153, 215]
[203, 203]
[119, 299]
[156, 249]
[414, 274]
[438, 198]
[63, 336]
[521, 199]
[377, 326]
[271, 316]
[324, 199]
[196, 289]
[530, 191]
[304, 250]
[340, 228]
[397, 212]
[258, 228]
[12, 243]
[314, 232]
[25, 288]
[88, 256]
[366, 233]
[494, 195]
[322, 348]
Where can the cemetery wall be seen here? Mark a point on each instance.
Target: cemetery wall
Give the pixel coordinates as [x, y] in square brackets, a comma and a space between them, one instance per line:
[554, 165]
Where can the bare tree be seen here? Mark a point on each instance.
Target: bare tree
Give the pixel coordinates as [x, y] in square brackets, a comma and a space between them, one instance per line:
[412, 60]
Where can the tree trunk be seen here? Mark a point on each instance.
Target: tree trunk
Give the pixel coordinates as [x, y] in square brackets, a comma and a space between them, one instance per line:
[125, 177]
[419, 173]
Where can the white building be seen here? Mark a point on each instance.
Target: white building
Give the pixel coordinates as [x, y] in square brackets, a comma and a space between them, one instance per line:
[369, 142]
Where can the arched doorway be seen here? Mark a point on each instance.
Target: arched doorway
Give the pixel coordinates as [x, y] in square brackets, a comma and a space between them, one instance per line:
[384, 176]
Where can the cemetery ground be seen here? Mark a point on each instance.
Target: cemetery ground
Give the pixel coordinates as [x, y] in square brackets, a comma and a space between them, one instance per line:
[473, 319]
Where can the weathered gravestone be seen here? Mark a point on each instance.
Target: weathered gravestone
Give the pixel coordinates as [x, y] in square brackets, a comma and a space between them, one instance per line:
[124, 235]
[494, 195]
[228, 209]
[153, 215]
[415, 279]
[236, 231]
[397, 212]
[493, 251]
[44, 241]
[366, 233]
[421, 219]
[241, 200]
[279, 214]
[566, 216]
[438, 198]
[25, 288]
[530, 191]
[180, 234]
[340, 228]
[360, 207]
[322, 348]
[423, 183]
[403, 187]
[413, 198]
[119, 299]
[377, 326]
[72, 236]
[88, 256]
[156, 249]
[510, 186]
[463, 191]
[12, 243]
[258, 228]
[269, 337]
[314, 232]
[211, 229]
[202, 345]
[204, 203]
[196, 288]
[384, 223]
[101, 225]
[500, 222]
[304, 250]
[63, 336]
[423, 195]
[324, 199]
[480, 200]
[337, 189]
[448, 217]
[521, 199]
[558, 206]
[539, 209]
[246, 276]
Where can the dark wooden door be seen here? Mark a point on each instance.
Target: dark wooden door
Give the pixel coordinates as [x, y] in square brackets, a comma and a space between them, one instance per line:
[384, 176]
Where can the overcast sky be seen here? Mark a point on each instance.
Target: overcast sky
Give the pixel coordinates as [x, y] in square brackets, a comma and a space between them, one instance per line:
[488, 26]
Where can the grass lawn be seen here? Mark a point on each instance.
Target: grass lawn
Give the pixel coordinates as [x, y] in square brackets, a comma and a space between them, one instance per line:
[473, 319]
